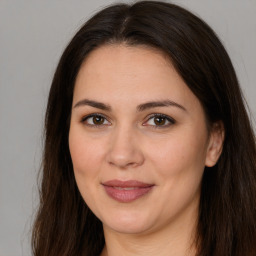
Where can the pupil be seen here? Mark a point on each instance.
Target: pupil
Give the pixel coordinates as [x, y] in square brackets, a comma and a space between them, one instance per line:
[159, 120]
[98, 120]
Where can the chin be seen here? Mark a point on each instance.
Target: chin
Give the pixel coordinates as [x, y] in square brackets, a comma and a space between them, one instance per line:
[128, 223]
[125, 228]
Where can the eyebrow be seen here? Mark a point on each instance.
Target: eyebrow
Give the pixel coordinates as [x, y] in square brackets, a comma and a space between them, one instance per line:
[154, 104]
[92, 103]
[140, 108]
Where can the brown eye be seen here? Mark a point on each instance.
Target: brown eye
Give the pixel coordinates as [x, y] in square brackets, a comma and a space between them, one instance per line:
[95, 120]
[98, 120]
[159, 120]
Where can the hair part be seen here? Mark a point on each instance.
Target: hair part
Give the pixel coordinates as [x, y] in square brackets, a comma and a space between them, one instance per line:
[226, 223]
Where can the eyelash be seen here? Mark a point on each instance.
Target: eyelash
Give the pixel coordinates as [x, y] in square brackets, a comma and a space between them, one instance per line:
[84, 119]
[165, 117]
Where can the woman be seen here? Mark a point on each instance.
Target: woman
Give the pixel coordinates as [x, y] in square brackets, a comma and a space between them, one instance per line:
[148, 146]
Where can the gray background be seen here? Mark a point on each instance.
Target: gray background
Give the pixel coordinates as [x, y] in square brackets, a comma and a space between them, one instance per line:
[32, 36]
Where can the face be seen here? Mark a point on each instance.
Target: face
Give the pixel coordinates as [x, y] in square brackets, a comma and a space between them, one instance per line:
[138, 140]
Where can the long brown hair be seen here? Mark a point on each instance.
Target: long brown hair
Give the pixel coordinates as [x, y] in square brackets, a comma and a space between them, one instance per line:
[227, 214]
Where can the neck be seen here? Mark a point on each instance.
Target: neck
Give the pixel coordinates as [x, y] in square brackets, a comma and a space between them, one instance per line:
[175, 239]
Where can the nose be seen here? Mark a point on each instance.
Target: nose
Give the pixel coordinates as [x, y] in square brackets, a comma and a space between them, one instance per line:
[124, 149]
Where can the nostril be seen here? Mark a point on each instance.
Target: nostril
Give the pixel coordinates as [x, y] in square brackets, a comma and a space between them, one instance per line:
[124, 150]
[125, 160]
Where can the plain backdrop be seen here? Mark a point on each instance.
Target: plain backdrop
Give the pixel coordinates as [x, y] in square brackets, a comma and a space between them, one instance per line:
[33, 34]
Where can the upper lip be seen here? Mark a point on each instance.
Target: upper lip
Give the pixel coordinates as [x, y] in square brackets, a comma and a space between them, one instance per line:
[126, 184]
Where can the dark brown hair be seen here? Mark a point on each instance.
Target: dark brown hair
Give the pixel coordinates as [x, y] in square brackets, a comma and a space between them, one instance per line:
[65, 226]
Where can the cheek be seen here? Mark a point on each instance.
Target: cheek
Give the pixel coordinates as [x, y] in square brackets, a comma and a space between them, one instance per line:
[85, 153]
[180, 166]
[180, 154]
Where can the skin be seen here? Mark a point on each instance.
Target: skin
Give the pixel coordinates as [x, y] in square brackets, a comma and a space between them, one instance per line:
[128, 144]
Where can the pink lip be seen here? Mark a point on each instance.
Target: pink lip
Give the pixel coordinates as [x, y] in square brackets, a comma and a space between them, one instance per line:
[126, 191]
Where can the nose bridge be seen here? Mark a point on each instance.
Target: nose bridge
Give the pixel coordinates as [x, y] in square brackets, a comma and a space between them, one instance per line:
[124, 149]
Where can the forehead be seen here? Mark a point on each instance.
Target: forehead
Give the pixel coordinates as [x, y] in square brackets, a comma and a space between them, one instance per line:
[114, 72]
[124, 59]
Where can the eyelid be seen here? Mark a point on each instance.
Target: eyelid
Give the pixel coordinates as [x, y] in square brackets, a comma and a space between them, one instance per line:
[168, 118]
[84, 118]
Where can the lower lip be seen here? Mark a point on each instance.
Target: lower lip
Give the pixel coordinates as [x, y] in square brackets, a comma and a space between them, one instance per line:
[126, 196]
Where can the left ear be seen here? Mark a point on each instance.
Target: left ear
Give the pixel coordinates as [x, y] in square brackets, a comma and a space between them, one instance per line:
[215, 145]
